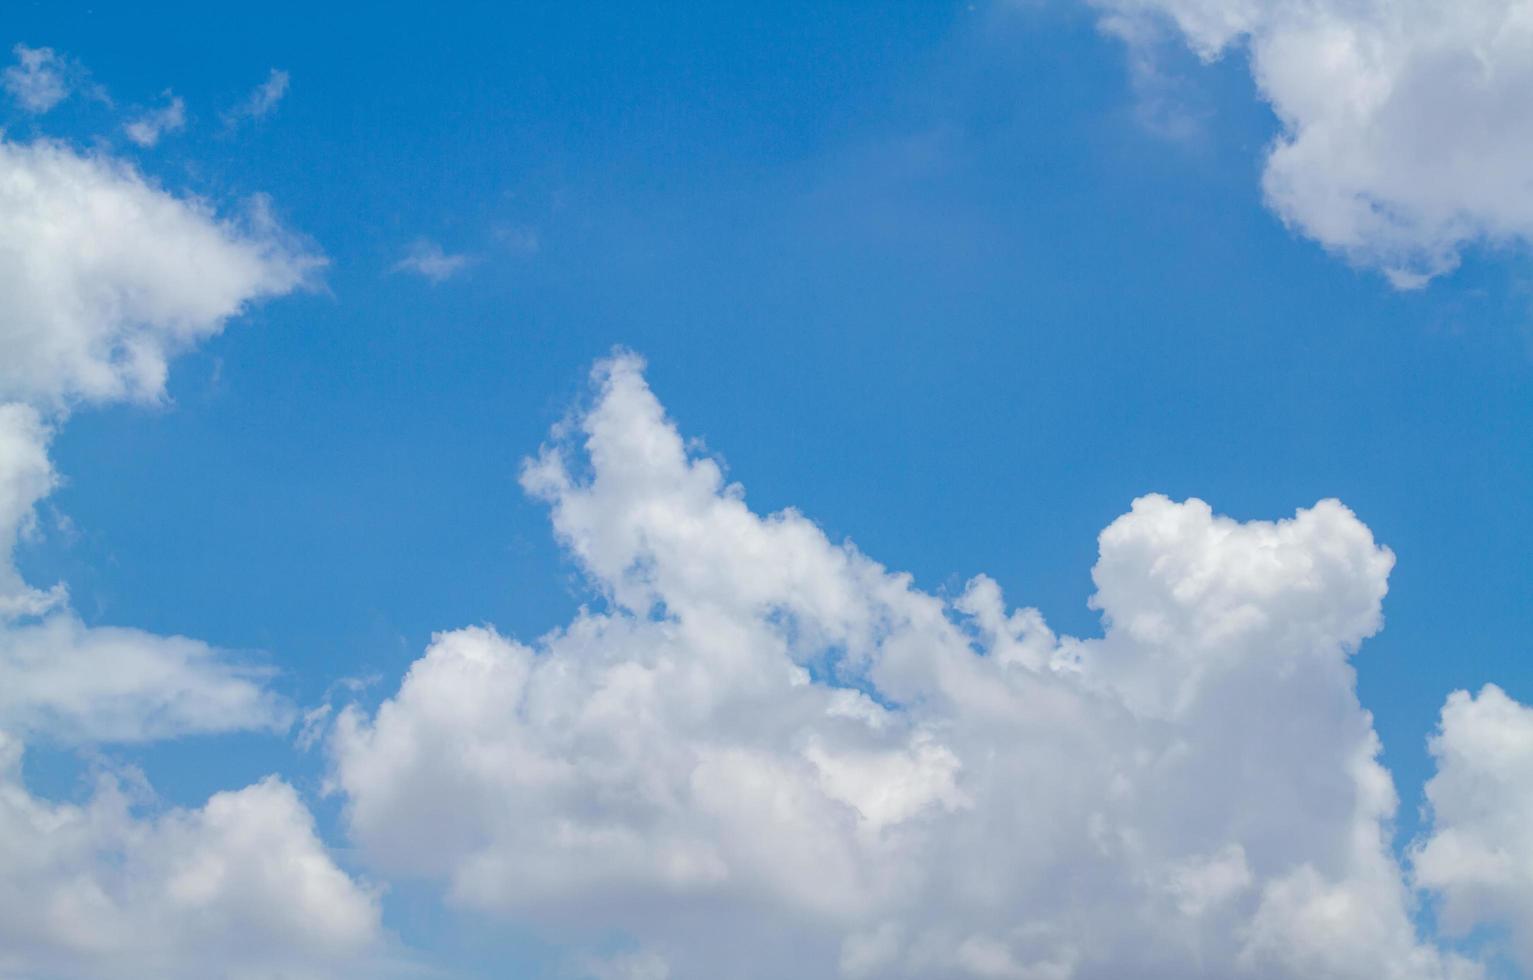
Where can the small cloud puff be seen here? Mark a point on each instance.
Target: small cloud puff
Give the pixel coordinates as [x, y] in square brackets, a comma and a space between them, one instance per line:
[39, 80]
[147, 129]
[427, 258]
[261, 101]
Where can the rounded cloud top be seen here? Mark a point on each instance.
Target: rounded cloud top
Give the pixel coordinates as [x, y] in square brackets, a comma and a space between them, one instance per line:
[766, 754]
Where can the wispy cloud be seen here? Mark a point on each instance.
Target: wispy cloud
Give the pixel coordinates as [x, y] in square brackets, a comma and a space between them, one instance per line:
[261, 101]
[427, 258]
[147, 129]
[39, 80]
[519, 239]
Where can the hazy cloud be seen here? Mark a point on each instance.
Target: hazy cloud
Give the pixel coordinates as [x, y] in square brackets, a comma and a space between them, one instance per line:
[261, 101]
[427, 258]
[147, 129]
[39, 80]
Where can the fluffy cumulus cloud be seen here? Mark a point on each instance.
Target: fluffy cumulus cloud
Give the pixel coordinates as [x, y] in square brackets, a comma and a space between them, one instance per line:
[1480, 854]
[239, 888]
[764, 754]
[106, 278]
[1403, 134]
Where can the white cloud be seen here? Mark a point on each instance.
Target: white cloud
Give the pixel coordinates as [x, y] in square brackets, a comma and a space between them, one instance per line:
[239, 888]
[1479, 853]
[65, 681]
[426, 258]
[261, 101]
[26, 477]
[1403, 135]
[106, 276]
[772, 756]
[39, 80]
[71, 682]
[147, 129]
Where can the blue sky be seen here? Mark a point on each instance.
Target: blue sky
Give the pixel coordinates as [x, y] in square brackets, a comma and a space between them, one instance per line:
[954, 281]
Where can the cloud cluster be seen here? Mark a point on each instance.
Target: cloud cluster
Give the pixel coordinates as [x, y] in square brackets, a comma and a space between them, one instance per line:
[761, 753]
[768, 755]
[1403, 134]
[106, 278]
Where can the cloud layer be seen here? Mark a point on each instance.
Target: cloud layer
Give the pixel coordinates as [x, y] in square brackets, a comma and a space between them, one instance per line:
[768, 755]
[1404, 136]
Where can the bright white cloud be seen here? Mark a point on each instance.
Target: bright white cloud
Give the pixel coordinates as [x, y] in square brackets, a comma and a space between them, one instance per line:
[239, 888]
[26, 476]
[262, 99]
[75, 683]
[147, 129]
[105, 278]
[1404, 135]
[771, 756]
[39, 80]
[1479, 854]
[426, 258]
